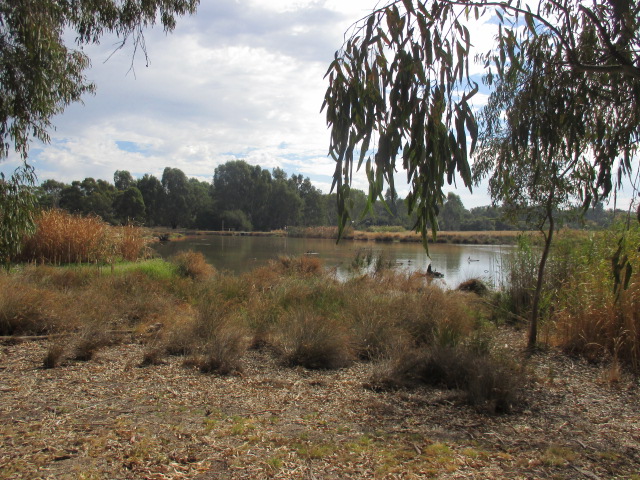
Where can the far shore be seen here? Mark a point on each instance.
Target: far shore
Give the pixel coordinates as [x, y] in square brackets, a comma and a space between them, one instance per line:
[453, 237]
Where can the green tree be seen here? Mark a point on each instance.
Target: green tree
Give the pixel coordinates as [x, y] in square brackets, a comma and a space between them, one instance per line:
[48, 193]
[129, 205]
[314, 211]
[176, 187]
[240, 186]
[40, 74]
[404, 74]
[452, 213]
[89, 197]
[17, 207]
[122, 180]
[201, 202]
[285, 204]
[154, 198]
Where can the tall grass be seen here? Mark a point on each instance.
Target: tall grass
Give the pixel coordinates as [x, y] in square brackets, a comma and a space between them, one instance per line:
[582, 312]
[293, 309]
[592, 318]
[62, 238]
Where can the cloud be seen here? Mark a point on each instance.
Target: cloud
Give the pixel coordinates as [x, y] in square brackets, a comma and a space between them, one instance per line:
[238, 80]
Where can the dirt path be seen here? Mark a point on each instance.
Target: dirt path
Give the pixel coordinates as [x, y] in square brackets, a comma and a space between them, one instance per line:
[109, 418]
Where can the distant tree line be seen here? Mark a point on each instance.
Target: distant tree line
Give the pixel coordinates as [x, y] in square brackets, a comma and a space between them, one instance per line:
[246, 197]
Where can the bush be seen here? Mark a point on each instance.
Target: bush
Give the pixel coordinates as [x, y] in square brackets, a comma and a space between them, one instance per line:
[54, 354]
[592, 319]
[193, 265]
[224, 337]
[303, 265]
[25, 309]
[375, 326]
[92, 337]
[309, 340]
[484, 382]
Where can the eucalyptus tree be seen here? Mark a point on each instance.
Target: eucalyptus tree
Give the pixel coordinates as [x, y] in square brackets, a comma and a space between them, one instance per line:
[154, 198]
[547, 169]
[400, 92]
[17, 205]
[177, 208]
[40, 74]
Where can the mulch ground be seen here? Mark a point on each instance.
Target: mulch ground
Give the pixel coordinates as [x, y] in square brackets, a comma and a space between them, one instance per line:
[110, 418]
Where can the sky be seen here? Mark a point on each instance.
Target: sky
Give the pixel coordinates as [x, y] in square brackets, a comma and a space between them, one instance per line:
[237, 80]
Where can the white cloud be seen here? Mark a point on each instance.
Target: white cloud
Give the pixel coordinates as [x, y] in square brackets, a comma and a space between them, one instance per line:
[237, 80]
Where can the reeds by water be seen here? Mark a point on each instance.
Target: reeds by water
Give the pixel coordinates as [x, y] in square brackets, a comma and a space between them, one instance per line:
[62, 238]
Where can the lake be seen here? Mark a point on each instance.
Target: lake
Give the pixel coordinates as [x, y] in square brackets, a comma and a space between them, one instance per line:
[240, 254]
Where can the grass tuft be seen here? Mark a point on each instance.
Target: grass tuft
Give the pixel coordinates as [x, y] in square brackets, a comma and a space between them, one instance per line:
[193, 265]
[312, 341]
[484, 381]
[54, 355]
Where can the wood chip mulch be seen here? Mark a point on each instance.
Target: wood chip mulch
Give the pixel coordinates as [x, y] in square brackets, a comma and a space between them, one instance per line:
[110, 418]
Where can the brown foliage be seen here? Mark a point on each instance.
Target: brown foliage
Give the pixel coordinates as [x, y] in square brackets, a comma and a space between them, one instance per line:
[193, 265]
[62, 238]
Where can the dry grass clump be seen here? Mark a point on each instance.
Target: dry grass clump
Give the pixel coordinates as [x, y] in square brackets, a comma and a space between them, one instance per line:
[62, 238]
[224, 336]
[483, 381]
[316, 232]
[474, 285]
[437, 317]
[377, 330]
[65, 279]
[307, 339]
[179, 333]
[54, 355]
[132, 242]
[223, 349]
[597, 324]
[193, 265]
[25, 309]
[134, 298]
[302, 265]
[91, 338]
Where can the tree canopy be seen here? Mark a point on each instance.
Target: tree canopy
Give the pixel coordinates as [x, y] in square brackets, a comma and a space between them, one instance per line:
[400, 93]
[40, 75]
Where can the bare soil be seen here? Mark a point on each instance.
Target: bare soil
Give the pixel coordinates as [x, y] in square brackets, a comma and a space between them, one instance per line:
[110, 418]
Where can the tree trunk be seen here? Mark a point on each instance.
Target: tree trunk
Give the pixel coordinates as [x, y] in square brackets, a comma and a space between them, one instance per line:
[535, 309]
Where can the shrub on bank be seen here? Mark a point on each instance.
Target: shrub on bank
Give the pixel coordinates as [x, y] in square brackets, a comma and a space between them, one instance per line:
[592, 317]
[193, 265]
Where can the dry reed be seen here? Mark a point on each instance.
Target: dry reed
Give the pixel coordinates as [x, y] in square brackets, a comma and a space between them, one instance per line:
[62, 238]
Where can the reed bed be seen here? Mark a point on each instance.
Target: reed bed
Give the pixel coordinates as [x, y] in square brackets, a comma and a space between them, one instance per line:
[398, 234]
[62, 238]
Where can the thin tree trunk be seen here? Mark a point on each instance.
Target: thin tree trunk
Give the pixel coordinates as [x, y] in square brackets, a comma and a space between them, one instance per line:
[535, 310]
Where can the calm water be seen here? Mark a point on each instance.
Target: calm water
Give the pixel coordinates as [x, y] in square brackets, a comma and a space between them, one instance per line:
[243, 254]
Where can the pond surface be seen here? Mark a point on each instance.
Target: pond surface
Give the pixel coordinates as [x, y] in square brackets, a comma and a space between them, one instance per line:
[240, 254]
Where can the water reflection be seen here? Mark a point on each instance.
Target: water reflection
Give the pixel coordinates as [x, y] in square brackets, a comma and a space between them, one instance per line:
[243, 254]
